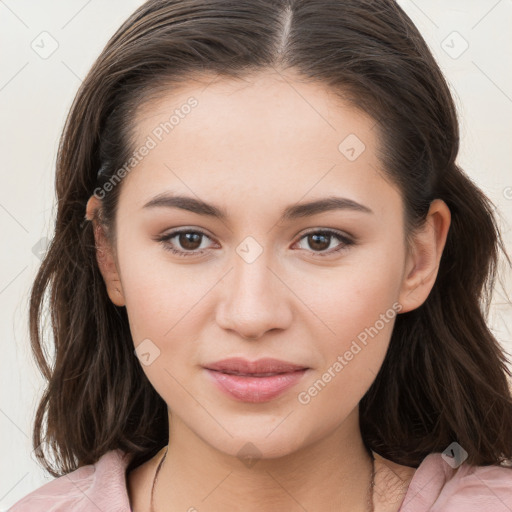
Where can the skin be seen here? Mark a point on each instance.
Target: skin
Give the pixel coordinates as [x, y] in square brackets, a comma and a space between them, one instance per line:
[254, 147]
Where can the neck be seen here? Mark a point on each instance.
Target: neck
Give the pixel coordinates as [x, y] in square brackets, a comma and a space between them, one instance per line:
[335, 470]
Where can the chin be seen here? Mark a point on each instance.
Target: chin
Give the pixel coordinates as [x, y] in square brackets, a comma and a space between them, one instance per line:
[257, 443]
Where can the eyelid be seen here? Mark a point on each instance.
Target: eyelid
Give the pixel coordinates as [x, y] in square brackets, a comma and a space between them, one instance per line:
[331, 231]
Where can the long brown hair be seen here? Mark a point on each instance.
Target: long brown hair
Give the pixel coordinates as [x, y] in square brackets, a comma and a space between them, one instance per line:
[445, 376]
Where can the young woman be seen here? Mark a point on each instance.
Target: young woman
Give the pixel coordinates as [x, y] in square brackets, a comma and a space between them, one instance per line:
[269, 276]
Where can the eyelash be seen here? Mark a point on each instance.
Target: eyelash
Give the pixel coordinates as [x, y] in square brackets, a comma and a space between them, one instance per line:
[346, 242]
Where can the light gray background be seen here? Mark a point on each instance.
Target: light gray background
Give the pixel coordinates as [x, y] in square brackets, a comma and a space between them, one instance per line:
[36, 91]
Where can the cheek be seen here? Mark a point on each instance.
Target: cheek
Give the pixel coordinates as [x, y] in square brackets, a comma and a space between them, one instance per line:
[352, 354]
[355, 309]
[162, 304]
[352, 296]
[150, 303]
[158, 292]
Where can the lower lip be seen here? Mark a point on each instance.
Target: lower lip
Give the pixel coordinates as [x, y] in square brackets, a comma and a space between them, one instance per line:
[255, 389]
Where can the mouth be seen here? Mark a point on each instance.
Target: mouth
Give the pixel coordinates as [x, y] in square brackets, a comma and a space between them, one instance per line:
[260, 368]
[268, 374]
[254, 382]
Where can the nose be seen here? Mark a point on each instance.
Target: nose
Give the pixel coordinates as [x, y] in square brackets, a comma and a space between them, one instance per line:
[255, 299]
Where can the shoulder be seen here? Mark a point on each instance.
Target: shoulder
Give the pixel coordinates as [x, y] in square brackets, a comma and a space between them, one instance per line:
[98, 486]
[437, 486]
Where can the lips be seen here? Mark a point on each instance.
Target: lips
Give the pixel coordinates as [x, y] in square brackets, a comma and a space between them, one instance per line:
[254, 381]
[260, 368]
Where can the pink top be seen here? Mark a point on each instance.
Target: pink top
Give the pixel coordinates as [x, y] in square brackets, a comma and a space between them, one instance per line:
[435, 487]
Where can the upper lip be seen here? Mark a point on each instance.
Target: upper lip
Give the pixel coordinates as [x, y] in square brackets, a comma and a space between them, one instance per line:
[245, 367]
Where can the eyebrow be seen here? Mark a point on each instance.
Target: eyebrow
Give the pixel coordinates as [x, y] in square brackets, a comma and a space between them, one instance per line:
[290, 213]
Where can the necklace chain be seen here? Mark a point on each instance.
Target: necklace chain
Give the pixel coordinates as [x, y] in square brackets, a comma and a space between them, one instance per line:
[370, 488]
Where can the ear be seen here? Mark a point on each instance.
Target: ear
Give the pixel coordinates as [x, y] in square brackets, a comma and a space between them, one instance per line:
[105, 254]
[422, 262]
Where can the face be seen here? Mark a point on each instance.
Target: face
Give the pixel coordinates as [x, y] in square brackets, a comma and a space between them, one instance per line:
[317, 287]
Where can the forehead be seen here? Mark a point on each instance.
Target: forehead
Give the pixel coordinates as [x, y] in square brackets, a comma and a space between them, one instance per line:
[252, 109]
[264, 135]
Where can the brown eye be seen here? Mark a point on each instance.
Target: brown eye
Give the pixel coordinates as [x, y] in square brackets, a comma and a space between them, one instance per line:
[319, 241]
[187, 241]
